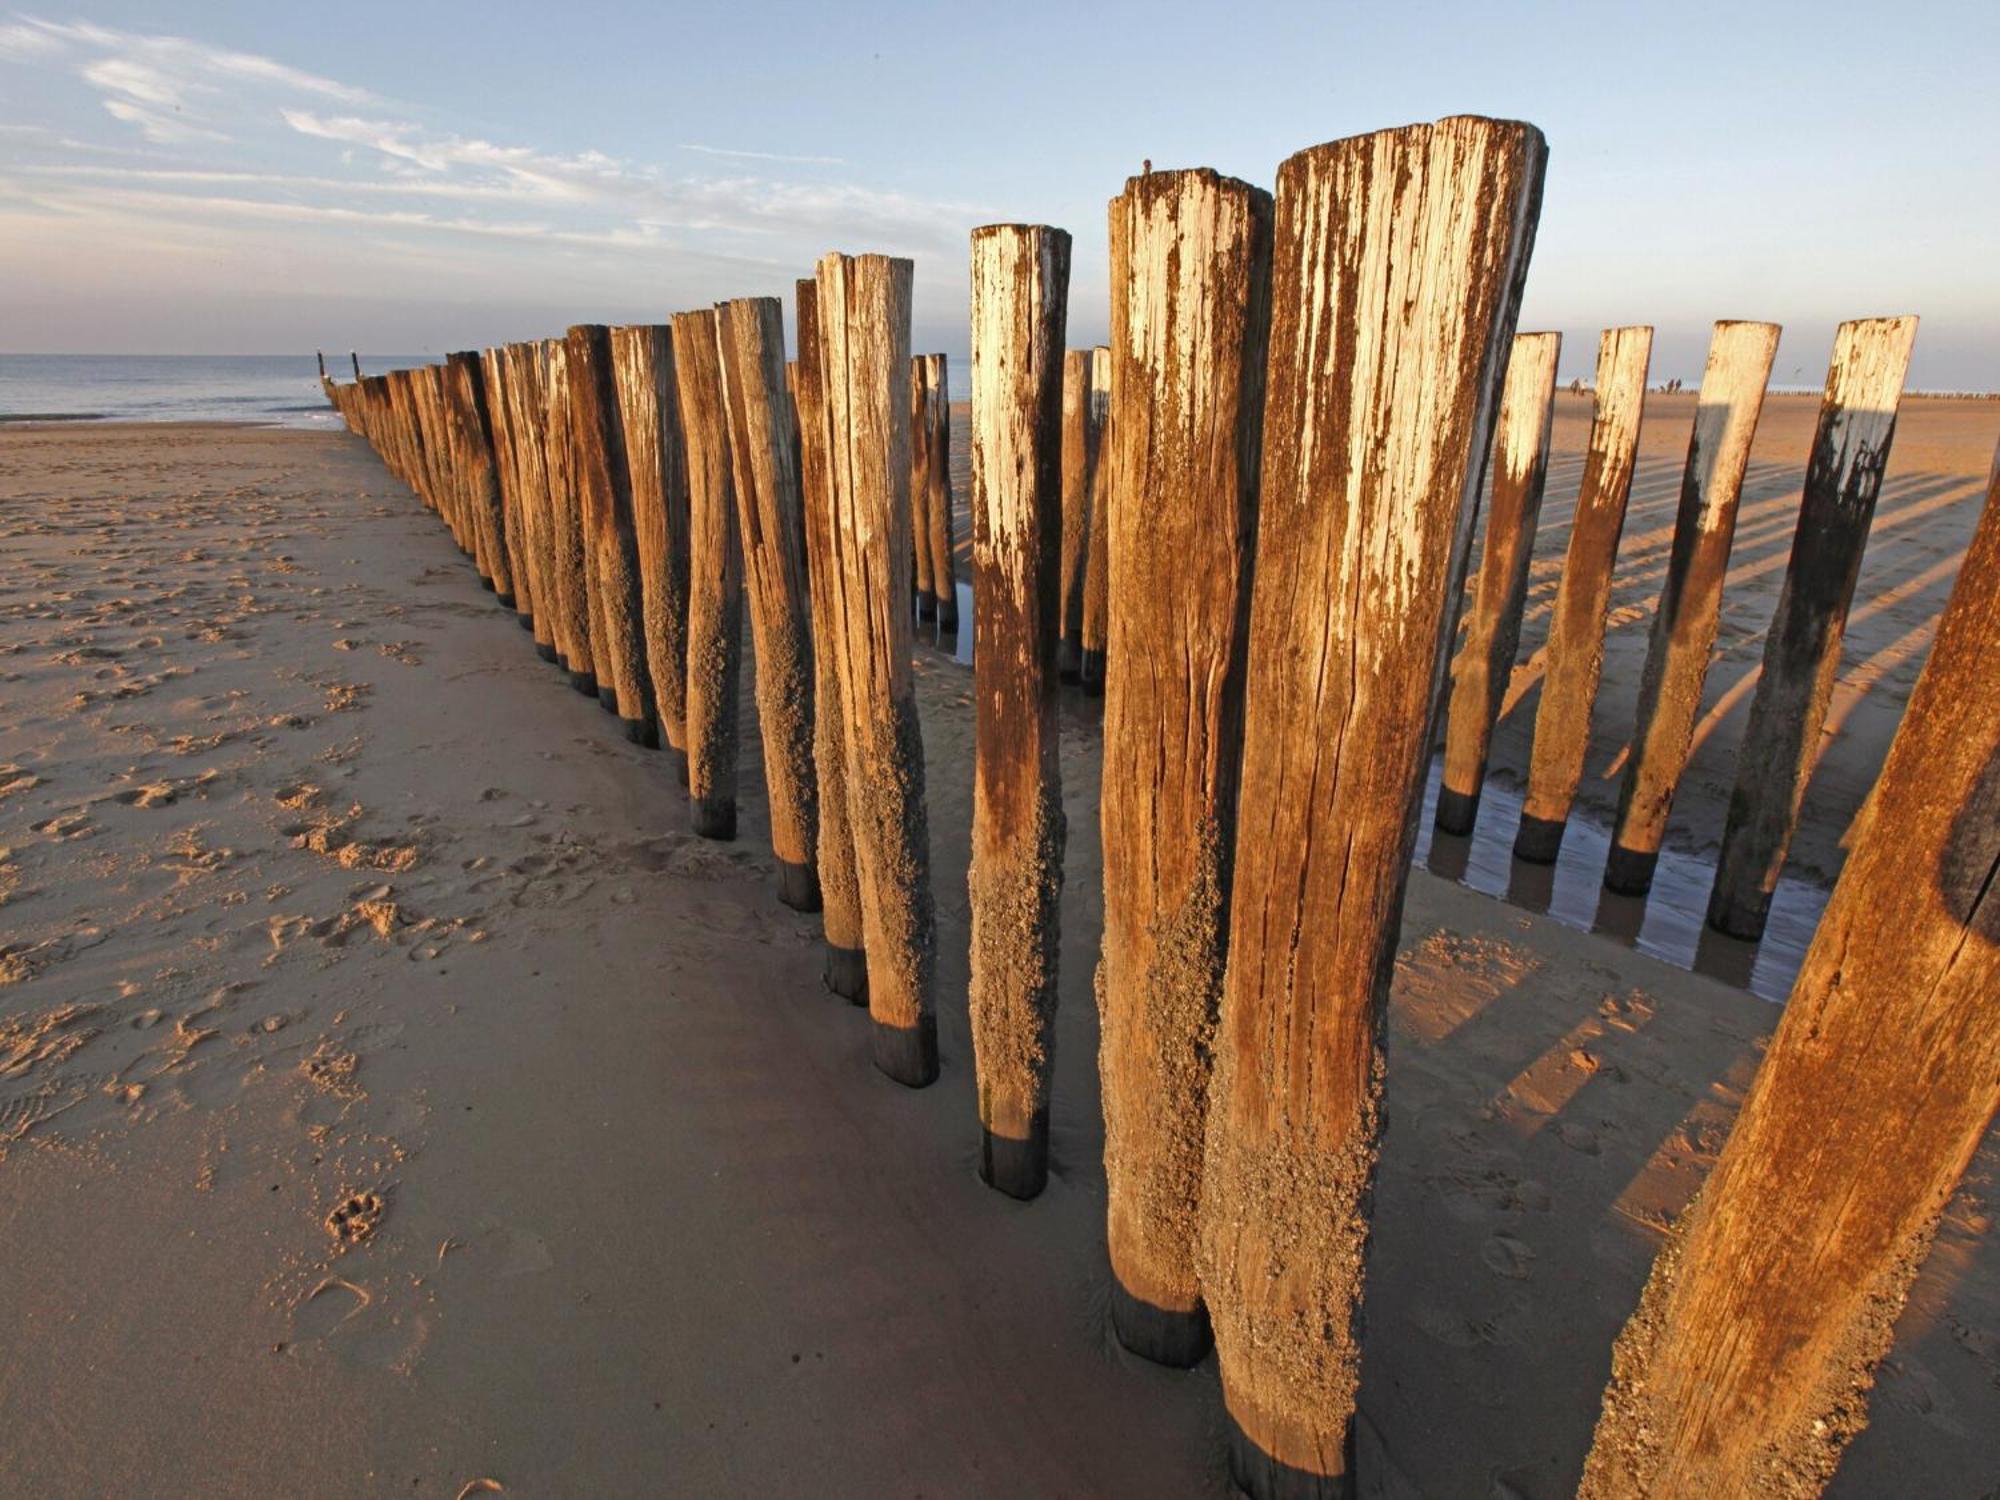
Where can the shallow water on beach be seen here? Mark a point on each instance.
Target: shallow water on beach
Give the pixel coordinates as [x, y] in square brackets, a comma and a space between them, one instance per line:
[273, 389]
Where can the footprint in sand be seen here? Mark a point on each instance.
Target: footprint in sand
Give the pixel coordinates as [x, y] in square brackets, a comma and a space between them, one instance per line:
[1504, 1255]
[355, 1217]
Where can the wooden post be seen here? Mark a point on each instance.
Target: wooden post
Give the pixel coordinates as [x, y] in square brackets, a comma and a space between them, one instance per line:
[506, 469]
[1485, 660]
[1576, 628]
[597, 466]
[1857, 422]
[864, 336]
[922, 395]
[1081, 431]
[357, 364]
[938, 508]
[1725, 421]
[527, 407]
[656, 459]
[1397, 262]
[1097, 567]
[1746, 1368]
[566, 525]
[479, 463]
[1190, 319]
[839, 882]
[770, 516]
[1020, 293]
[715, 580]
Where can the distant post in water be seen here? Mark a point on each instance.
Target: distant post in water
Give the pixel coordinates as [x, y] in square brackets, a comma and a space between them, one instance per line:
[715, 580]
[1575, 651]
[771, 523]
[864, 336]
[1190, 323]
[566, 526]
[1097, 567]
[1081, 431]
[1725, 421]
[1020, 296]
[598, 463]
[839, 879]
[1485, 660]
[1857, 421]
[1397, 263]
[922, 394]
[355, 359]
[1746, 1367]
[656, 458]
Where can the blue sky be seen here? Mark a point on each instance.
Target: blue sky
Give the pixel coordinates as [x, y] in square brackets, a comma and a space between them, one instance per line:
[239, 178]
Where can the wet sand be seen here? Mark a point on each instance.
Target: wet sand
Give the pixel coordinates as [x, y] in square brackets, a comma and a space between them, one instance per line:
[394, 1095]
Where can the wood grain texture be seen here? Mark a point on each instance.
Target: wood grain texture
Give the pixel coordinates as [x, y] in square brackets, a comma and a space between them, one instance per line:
[597, 466]
[478, 468]
[1575, 650]
[566, 541]
[1190, 322]
[507, 467]
[527, 408]
[1746, 1368]
[1857, 423]
[656, 459]
[770, 519]
[1396, 270]
[922, 394]
[1083, 426]
[1097, 567]
[1020, 296]
[864, 326]
[1485, 658]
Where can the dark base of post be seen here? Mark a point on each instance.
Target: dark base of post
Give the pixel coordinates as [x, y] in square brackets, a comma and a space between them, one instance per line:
[1069, 661]
[525, 619]
[607, 697]
[847, 973]
[1629, 872]
[1090, 672]
[1262, 1477]
[908, 1055]
[713, 817]
[1020, 1169]
[546, 651]
[487, 584]
[638, 731]
[798, 886]
[1739, 919]
[506, 599]
[1457, 811]
[584, 683]
[1539, 841]
[947, 616]
[926, 608]
[1178, 1340]
[680, 763]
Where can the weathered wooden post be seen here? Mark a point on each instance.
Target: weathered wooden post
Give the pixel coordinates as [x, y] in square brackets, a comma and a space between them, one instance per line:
[1857, 422]
[836, 860]
[656, 459]
[921, 396]
[566, 524]
[864, 337]
[1485, 659]
[715, 580]
[770, 515]
[528, 413]
[356, 359]
[1096, 563]
[597, 466]
[1081, 431]
[1190, 319]
[1725, 421]
[507, 468]
[1576, 628]
[938, 510]
[479, 468]
[1020, 296]
[1397, 262]
[1746, 1368]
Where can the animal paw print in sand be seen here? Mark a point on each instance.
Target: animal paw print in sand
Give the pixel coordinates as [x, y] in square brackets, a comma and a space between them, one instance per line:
[355, 1217]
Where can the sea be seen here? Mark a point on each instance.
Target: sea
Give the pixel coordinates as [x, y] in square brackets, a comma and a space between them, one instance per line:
[279, 390]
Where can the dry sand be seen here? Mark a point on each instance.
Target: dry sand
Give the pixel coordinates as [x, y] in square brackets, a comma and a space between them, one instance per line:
[395, 1096]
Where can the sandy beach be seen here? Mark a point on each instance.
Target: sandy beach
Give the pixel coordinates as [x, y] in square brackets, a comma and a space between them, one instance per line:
[396, 1099]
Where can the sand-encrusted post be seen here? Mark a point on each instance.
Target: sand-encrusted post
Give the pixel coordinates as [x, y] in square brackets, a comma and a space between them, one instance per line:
[1020, 296]
[938, 512]
[839, 878]
[566, 542]
[1677, 656]
[1746, 1368]
[770, 514]
[1190, 318]
[1081, 431]
[864, 336]
[1485, 659]
[1096, 561]
[1575, 651]
[715, 579]
[527, 409]
[922, 395]
[1396, 269]
[1857, 421]
[507, 467]
[597, 465]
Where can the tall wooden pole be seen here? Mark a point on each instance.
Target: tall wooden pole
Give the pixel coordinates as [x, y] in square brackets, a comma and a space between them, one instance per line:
[566, 546]
[1576, 628]
[938, 508]
[770, 517]
[1746, 1368]
[1485, 659]
[656, 458]
[598, 466]
[1857, 422]
[1097, 567]
[922, 394]
[1081, 431]
[839, 880]
[715, 580]
[864, 328]
[1725, 421]
[527, 413]
[507, 466]
[1020, 294]
[1397, 262]
[1190, 323]
[355, 359]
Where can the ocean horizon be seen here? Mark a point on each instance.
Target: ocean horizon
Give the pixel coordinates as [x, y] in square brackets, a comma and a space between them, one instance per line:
[267, 389]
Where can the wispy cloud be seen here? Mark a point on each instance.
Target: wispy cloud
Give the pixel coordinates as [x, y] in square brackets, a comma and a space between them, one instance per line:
[830, 161]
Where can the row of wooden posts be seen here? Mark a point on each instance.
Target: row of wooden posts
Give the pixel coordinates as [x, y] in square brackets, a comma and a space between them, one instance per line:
[1302, 389]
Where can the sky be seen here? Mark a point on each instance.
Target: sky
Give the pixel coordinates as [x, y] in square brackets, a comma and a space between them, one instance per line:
[230, 178]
